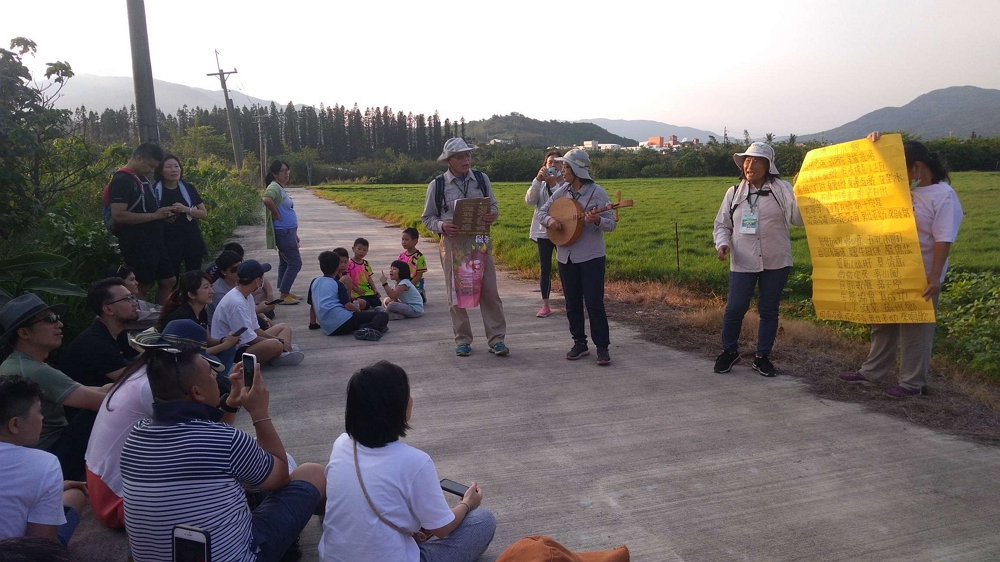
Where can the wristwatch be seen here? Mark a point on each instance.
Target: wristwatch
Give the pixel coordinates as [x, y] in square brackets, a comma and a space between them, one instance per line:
[226, 407]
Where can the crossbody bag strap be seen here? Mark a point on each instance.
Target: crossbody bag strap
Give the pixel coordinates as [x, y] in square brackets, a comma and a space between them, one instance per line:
[419, 536]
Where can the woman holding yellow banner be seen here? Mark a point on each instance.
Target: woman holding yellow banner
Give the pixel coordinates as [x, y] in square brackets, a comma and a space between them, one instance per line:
[760, 251]
[938, 215]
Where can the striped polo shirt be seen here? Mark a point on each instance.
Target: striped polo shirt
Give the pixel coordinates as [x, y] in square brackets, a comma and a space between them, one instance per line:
[184, 467]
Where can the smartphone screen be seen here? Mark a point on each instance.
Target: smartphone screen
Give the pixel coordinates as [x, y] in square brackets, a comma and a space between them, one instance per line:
[190, 545]
[453, 487]
[249, 365]
[186, 550]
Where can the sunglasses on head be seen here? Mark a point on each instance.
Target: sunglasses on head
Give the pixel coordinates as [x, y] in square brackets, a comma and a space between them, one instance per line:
[50, 319]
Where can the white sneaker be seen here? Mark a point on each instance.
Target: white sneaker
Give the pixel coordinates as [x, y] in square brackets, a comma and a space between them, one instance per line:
[288, 359]
[295, 347]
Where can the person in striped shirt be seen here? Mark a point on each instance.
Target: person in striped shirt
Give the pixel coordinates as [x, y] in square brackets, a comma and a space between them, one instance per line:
[188, 466]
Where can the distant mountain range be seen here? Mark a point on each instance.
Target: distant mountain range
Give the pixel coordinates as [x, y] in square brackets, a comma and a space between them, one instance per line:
[957, 111]
[532, 132]
[98, 93]
[642, 130]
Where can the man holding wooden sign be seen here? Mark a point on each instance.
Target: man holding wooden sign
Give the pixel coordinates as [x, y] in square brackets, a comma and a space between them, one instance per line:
[460, 206]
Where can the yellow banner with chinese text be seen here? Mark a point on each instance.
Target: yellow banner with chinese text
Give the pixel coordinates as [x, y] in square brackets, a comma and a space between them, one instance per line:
[855, 202]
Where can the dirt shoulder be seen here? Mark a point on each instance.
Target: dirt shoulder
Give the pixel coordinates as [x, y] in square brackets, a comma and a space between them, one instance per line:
[960, 403]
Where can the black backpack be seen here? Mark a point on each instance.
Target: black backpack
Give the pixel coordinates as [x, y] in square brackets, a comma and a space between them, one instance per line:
[439, 190]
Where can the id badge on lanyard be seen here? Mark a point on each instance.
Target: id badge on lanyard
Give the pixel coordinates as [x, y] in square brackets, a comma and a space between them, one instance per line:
[749, 223]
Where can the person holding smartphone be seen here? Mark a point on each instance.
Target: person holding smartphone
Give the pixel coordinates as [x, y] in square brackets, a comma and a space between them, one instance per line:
[548, 178]
[384, 497]
[173, 472]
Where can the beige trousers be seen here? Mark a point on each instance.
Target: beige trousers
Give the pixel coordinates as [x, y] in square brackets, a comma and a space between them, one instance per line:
[914, 342]
[489, 300]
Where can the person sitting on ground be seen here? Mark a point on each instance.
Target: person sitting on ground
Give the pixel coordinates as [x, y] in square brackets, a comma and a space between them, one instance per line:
[227, 263]
[260, 296]
[361, 277]
[34, 498]
[190, 300]
[328, 297]
[181, 232]
[129, 401]
[382, 492]
[101, 352]
[236, 311]
[173, 473]
[148, 312]
[404, 301]
[354, 305]
[415, 258]
[342, 275]
[33, 330]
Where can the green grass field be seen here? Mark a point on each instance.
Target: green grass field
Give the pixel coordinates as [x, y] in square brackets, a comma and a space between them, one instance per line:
[643, 246]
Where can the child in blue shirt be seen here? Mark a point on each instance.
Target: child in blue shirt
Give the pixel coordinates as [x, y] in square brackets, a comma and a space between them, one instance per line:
[404, 300]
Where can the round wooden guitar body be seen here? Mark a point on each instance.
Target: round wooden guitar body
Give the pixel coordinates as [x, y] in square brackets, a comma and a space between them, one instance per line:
[566, 211]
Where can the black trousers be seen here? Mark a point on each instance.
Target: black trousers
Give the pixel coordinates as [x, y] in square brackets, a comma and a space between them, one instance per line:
[71, 446]
[363, 319]
[584, 283]
[545, 248]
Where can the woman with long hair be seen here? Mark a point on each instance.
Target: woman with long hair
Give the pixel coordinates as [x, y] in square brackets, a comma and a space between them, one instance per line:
[384, 499]
[938, 215]
[548, 178]
[282, 229]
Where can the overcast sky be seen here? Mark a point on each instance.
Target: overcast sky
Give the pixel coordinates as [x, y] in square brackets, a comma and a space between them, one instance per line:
[802, 66]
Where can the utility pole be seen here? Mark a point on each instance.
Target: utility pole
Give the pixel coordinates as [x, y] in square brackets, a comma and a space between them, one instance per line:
[261, 119]
[234, 128]
[142, 72]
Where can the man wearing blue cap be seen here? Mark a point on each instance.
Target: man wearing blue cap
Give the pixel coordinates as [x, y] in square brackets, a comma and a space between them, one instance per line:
[237, 310]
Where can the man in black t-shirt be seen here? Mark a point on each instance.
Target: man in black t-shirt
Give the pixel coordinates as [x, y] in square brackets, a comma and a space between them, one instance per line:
[101, 352]
[140, 236]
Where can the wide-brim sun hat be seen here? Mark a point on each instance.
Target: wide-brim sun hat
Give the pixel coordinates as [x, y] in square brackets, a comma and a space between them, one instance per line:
[579, 161]
[22, 310]
[759, 149]
[179, 333]
[455, 146]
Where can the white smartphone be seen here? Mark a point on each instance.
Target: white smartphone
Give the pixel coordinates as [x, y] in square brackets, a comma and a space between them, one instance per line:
[191, 544]
[249, 366]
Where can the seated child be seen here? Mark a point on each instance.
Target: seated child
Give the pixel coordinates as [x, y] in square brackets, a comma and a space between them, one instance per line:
[415, 258]
[403, 301]
[34, 499]
[361, 277]
[328, 296]
[345, 296]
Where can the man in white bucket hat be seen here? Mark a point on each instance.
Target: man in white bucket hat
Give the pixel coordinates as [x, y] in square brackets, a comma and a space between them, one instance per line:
[462, 182]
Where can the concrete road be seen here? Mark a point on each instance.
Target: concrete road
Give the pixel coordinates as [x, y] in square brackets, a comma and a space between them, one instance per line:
[656, 451]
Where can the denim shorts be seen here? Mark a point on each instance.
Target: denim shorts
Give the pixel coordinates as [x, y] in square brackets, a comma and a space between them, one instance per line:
[280, 517]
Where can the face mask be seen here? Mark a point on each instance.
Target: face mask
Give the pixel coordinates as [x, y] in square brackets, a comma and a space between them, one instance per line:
[914, 183]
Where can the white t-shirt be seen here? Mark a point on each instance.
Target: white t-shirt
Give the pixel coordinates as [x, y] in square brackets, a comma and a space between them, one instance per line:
[234, 312]
[30, 490]
[131, 402]
[402, 483]
[938, 215]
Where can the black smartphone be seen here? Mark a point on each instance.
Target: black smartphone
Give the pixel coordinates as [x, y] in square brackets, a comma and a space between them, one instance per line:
[249, 366]
[191, 544]
[453, 487]
[275, 301]
[240, 331]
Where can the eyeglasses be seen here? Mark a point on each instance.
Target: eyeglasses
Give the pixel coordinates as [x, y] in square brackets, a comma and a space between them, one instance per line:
[50, 319]
[130, 298]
